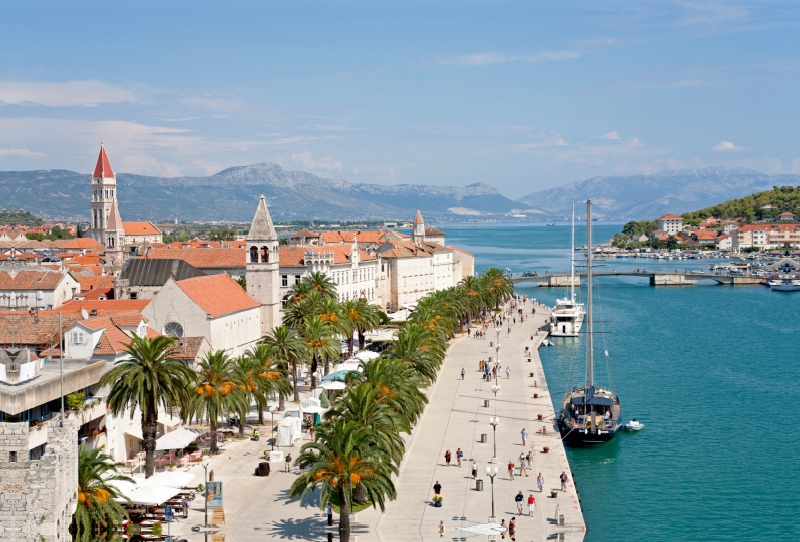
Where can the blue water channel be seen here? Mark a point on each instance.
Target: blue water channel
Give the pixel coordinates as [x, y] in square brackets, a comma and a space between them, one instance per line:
[712, 371]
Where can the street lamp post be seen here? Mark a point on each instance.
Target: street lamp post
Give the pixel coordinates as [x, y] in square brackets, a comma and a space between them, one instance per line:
[272, 416]
[494, 421]
[205, 492]
[492, 472]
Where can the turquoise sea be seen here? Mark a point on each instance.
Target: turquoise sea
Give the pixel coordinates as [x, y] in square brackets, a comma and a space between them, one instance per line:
[712, 371]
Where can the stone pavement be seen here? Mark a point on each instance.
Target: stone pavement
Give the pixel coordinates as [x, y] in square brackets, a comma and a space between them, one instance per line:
[258, 508]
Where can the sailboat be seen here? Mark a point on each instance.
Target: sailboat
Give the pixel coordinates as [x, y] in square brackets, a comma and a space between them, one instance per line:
[567, 316]
[589, 414]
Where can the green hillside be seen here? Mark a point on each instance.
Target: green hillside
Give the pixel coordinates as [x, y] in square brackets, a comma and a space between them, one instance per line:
[19, 218]
[783, 198]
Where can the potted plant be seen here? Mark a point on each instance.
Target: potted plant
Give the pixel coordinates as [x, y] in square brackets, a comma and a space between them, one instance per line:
[157, 529]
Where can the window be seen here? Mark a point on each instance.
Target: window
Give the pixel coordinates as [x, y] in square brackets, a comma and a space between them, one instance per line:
[264, 254]
[284, 280]
[296, 279]
[77, 337]
[134, 295]
[173, 329]
[253, 255]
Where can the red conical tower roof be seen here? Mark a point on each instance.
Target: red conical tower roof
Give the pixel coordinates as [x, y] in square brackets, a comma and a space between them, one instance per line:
[103, 168]
[418, 218]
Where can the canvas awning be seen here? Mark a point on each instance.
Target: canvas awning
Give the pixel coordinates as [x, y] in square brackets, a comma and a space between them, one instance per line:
[135, 432]
[180, 438]
[594, 401]
[153, 495]
[169, 479]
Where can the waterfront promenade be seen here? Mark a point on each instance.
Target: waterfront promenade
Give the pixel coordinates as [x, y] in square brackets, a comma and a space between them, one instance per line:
[258, 508]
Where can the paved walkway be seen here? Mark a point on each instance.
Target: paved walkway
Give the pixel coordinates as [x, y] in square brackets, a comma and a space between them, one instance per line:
[258, 508]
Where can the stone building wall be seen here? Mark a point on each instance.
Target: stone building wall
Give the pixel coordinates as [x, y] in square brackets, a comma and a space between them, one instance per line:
[38, 498]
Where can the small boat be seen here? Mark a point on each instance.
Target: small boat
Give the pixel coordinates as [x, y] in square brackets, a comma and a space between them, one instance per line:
[634, 425]
[786, 285]
[547, 342]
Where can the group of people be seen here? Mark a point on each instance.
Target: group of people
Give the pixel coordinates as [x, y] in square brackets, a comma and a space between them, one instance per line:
[490, 370]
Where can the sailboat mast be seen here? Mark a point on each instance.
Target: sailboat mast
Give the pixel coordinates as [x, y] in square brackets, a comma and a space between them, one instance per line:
[590, 331]
[572, 256]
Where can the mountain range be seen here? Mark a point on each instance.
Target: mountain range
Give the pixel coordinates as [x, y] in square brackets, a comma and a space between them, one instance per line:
[231, 195]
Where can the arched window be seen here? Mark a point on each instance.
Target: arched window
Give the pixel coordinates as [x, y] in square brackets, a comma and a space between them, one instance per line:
[265, 254]
[253, 255]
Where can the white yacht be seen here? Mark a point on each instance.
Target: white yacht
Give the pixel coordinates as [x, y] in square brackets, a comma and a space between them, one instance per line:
[567, 317]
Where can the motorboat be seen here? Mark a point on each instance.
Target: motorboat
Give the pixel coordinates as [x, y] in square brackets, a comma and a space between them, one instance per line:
[786, 285]
[567, 316]
[634, 425]
[547, 342]
[589, 414]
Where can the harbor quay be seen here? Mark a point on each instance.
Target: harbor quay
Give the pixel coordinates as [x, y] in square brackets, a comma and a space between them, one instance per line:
[259, 507]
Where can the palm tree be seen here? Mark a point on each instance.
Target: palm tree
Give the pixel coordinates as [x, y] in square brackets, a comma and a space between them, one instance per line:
[215, 391]
[275, 374]
[366, 317]
[319, 341]
[471, 288]
[147, 379]
[321, 283]
[420, 348]
[97, 513]
[398, 384]
[296, 312]
[343, 455]
[286, 346]
[347, 325]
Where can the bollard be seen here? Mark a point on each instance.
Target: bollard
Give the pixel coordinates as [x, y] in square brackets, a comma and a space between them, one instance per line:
[486, 403]
[478, 485]
[529, 360]
[538, 416]
[531, 374]
[484, 438]
[535, 395]
[491, 344]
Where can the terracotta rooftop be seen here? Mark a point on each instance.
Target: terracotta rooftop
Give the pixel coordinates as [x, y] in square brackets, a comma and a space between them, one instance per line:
[203, 257]
[305, 232]
[418, 218]
[103, 168]
[430, 230]
[295, 256]
[104, 307]
[217, 295]
[187, 347]
[670, 216]
[91, 282]
[140, 228]
[82, 243]
[30, 280]
[22, 328]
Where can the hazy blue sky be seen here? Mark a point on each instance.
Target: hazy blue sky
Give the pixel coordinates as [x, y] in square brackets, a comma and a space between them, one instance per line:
[521, 95]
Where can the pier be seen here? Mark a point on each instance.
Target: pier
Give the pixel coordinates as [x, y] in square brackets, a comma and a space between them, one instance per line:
[657, 278]
[457, 417]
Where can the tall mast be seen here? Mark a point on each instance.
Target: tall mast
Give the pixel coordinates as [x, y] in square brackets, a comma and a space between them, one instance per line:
[590, 342]
[572, 256]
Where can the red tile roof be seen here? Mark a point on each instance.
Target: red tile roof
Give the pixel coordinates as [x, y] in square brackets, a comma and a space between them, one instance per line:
[93, 282]
[140, 228]
[418, 218]
[295, 256]
[670, 217]
[104, 307]
[103, 168]
[98, 293]
[787, 213]
[217, 295]
[461, 251]
[82, 243]
[203, 257]
[30, 280]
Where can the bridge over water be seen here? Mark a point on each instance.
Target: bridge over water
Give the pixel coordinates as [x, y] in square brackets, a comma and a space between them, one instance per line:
[657, 278]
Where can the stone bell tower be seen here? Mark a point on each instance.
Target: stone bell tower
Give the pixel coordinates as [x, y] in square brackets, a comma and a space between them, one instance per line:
[263, 269]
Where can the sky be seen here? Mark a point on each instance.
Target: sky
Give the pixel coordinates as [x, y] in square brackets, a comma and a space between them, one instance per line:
[520, 95]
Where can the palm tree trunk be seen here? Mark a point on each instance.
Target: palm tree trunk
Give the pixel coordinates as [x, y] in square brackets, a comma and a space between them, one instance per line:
[361, 493]
[242, 416]
[344, 515]
[294, 377]
[213, 423]
[281, 401]
[149, 427]
[260, 413]
[362, 340]
[350, 346]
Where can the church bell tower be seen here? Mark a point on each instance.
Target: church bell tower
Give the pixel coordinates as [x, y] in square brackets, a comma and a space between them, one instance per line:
[104, 198]
[263, 269]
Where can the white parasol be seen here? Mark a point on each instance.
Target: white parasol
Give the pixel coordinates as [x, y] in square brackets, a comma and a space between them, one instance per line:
[333, 385]
[169, 479]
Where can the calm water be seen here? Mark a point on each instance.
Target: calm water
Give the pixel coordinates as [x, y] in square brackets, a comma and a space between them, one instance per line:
[712, 372]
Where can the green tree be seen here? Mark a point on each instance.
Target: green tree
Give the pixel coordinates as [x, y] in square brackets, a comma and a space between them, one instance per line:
[147, 379]
[320, 343]
[97, 513]
[343, 455]
[276, 374]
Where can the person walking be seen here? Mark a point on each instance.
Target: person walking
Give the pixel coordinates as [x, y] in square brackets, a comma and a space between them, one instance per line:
[447, 456]
[185, 504]
[329, 511]
[529, 458]
[524, 434]
[474, 469]
[437, 488]
[518, 499]
[288, 462]
[463, 373]
[531, 504]
[540, 482]
[563, 479]
[508, 372]
[522, 469]
[512, 529]
[459, 456]
[441, 528]
[511, 470]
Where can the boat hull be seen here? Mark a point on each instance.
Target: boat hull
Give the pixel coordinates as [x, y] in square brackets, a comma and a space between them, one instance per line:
[584, 437]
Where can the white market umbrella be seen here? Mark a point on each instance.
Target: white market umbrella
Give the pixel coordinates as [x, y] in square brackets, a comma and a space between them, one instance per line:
[123, 486]
[333, 385]
[314, 410]
[178, 439]
[153, 495]
[366, 355]
[169, 479]
[350, 365]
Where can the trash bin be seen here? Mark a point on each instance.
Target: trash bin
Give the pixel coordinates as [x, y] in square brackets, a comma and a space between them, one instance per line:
[486, 403]
[263, 468]
[479, 485]
[483, 438]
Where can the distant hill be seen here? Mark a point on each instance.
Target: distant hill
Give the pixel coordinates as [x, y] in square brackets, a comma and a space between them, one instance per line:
[778, 200]
[649, 196]
[232, 195]
[19, 218]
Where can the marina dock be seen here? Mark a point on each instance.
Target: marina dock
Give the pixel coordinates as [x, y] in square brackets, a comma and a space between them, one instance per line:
[657, 278]
[456, 417]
